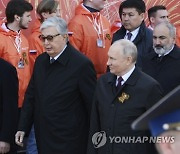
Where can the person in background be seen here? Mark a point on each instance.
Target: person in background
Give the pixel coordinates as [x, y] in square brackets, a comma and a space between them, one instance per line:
[133, 27]
[59, 96]
[8, 107]
[14, 47]
[45, 9]
[162, 63]
[121, 95]
[91, 33]
[156, 15]
[163, 120]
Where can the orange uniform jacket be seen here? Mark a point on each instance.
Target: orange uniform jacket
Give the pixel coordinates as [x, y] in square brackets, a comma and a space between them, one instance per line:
[35, 44]
[84, 37]
[9, 52]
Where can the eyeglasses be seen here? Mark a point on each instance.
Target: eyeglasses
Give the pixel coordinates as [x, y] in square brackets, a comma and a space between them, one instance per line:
[49, 38]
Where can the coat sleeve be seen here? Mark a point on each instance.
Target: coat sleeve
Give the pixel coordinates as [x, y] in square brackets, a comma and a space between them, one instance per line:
[94, 126]
[26, 118]
[87, 83]
[9, 94]
[154, 96]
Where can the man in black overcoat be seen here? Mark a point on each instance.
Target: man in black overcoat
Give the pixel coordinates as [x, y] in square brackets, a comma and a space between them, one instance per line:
[8, 106]
[132, 13]
[118, 103]
[59, 96]
[163, 63]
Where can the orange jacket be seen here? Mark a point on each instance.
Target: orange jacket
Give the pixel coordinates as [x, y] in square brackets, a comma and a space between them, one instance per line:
[9, 52]
[84, 37]
[115, 26]
[178, 35]
[35, 44]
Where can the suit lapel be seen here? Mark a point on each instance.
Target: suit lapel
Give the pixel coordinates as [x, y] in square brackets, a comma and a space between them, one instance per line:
[130, 81]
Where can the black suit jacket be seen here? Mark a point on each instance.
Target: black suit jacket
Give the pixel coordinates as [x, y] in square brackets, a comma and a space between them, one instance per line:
[58, 100]
[8, 102]
[165, 70]
[109, 114]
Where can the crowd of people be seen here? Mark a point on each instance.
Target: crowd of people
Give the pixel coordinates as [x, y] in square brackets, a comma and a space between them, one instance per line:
[67, 82]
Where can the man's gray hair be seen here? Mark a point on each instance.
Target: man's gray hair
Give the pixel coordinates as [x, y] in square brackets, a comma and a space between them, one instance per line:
[129, 48]
[172, 29]
[59, 23]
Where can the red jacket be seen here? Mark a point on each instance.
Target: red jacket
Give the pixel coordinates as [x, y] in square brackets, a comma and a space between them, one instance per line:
[9, 52]
[84, 37]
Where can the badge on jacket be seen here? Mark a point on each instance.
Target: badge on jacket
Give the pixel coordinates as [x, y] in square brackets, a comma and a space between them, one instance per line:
[21, 63]
[100, 43]
[123, 97]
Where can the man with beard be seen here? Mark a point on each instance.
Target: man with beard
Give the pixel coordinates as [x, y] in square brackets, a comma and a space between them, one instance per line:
[14, 46]
[162, 64]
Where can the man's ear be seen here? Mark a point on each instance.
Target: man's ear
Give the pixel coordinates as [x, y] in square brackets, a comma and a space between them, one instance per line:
[152, 20]
[45, 15]
[142, 16]
[17, 18]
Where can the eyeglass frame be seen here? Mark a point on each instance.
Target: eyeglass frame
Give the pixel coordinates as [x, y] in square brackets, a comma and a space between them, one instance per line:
[49, 38]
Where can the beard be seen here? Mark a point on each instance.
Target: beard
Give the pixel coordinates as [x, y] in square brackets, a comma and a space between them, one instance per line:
[21, 25]
[161, 50]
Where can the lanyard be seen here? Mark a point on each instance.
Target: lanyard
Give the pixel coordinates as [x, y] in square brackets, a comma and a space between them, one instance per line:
[17, 42]
[97, 25]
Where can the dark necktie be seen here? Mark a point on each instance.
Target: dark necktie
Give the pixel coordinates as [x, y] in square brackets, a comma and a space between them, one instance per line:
[52, 60]
[129, 35]
[120, 79]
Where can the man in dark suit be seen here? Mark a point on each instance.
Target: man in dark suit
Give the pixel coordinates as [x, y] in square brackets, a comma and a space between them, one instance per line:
[163, 62]
[118, 103]
[133, 27]
[8, 106]
[59, 96]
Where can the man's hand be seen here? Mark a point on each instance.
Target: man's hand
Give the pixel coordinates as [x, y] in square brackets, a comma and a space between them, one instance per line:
[19, 138]
[4, 147]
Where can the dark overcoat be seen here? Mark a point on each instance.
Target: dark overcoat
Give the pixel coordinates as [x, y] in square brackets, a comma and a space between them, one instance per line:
[114, 117]
[58, 100]
[143, 41]
[8, 103]
[164, 69]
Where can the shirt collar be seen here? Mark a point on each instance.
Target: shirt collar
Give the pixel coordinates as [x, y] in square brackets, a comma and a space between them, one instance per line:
[56, 57]
[127, 75]
[134, 33]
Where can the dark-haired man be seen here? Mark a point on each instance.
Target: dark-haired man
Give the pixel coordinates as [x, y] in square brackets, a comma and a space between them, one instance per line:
[14, 46]
[156, 15]
[133, 27]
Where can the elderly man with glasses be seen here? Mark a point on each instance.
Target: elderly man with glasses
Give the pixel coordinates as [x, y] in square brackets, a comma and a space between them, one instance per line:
[59, 95]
